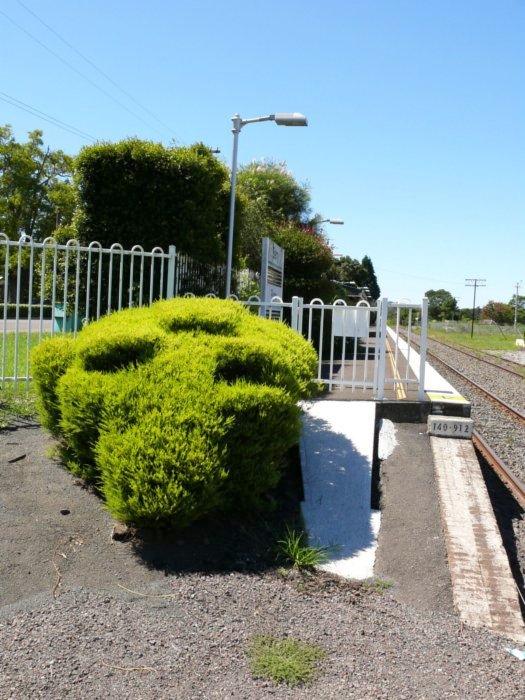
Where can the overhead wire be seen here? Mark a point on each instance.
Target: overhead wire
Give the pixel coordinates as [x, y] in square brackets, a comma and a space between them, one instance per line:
[46, 117]
[78, 72]
[94, 66]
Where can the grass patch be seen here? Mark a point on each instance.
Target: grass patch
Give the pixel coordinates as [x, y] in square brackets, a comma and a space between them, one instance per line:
[25, 345]
[16, 403]
[293, 549]
[285, 660]
[378, 585]
[493, 341]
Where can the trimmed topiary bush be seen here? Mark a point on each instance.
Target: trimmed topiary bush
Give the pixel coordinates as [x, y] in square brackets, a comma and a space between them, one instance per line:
[177, 410]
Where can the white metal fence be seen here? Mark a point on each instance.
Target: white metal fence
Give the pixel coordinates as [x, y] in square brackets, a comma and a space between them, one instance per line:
[48, 288]
[353, 343]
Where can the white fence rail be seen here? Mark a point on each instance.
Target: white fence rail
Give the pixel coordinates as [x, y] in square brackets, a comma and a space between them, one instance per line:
[354, 342]
[48, 288]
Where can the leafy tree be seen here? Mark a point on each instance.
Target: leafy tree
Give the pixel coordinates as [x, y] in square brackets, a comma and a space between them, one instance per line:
[139, 192]
[498, 312]
[273, 185]
[521, 307]
[268, 195]
[371, 282]
[441, 304]
[36, 193]
[347, 269]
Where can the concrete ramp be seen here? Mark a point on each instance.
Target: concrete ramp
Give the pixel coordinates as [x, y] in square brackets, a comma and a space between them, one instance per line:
[337, 448]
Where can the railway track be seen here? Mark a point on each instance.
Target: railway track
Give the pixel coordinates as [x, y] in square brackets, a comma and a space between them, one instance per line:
[516, 366]
[500, 424]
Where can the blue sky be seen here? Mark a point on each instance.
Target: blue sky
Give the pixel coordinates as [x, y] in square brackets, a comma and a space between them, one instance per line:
[416, 111]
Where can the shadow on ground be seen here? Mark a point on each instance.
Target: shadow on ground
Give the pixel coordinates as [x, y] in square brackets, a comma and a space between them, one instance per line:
[245, 543]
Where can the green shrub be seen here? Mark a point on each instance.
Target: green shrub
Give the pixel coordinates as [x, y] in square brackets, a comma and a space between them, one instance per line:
[177, 410]
[50, 360]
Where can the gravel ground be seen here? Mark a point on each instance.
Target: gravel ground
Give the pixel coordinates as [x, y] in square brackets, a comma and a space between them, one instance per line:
[84, 616]
[192, 644]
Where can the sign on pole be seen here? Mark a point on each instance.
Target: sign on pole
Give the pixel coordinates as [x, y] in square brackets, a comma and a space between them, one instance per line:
[272, 272]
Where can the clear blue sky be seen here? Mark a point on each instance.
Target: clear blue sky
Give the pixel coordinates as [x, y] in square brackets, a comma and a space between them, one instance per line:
[416, 111]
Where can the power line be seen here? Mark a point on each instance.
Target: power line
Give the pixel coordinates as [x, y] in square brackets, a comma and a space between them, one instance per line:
[95, 67]
[46, 117]
[75, 70]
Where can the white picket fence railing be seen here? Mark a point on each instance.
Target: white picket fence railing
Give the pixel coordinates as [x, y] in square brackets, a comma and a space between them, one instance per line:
[352, 342]
[48, 288]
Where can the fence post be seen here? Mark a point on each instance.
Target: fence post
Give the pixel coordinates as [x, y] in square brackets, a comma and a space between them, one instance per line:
[170, 289]
[296, 321]
[381, 348]
[423, 348]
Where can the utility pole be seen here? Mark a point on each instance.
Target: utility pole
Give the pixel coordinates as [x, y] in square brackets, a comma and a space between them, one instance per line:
[476, 282]
[518, 284]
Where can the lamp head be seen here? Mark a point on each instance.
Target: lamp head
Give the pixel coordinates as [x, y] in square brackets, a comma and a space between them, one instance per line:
[290, 119]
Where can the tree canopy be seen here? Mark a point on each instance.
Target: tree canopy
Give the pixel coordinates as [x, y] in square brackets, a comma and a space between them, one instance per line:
[139, 192]
[347, 269]
[441, 304]
[36, 192]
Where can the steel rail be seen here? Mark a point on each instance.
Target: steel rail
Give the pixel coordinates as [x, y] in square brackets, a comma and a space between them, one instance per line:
[511, 409]
[511, 481]
[481, 359]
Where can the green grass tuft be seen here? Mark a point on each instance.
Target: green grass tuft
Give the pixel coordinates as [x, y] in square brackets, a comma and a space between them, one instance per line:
[284, 660]
[294, 549]
[15, 403]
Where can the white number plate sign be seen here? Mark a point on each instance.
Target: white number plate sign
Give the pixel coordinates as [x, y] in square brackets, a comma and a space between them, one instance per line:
[451, 427]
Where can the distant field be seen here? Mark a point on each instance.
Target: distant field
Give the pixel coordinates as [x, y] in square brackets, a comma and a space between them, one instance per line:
[486, 337]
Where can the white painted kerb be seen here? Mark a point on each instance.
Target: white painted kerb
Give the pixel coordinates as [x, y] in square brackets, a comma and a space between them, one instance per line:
[336, 455]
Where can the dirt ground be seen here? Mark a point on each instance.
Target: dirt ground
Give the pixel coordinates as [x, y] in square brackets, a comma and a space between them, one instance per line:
[57, 536]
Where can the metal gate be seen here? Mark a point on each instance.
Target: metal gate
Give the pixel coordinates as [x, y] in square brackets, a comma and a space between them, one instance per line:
[354, 342]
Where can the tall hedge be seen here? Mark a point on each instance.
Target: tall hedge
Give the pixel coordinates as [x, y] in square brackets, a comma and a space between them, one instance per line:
[139, 192]
[177, 410]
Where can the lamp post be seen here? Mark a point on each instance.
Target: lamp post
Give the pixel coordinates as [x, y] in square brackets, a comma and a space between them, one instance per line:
[340, 222]
[281, 119]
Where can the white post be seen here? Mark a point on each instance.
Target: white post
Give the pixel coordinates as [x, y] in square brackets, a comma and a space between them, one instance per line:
[381, 349]
[236, 129]
[423, 348]
[170, 288]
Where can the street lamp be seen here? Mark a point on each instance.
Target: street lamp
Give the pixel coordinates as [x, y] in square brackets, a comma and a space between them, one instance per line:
[281, 119]
[340, 222]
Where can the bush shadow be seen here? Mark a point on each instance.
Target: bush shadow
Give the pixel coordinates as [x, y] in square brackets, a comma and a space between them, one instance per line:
[244, 542]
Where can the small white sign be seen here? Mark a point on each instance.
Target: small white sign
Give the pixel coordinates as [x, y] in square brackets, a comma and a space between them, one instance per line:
[451, 427]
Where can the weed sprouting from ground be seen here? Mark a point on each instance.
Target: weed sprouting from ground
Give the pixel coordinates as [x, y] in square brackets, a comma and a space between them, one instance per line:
[294, 549]
[284, 660]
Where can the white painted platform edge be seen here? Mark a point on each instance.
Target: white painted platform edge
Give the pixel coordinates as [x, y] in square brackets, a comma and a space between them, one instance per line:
[435, 384]
[355, 421]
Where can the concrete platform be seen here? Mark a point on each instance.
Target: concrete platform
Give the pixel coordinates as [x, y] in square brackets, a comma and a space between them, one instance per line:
[484, 590]
[338, 446]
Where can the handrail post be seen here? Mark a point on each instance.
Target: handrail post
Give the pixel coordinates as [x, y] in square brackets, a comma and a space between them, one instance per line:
[170, 288]
[423, 348]
[381, 349]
